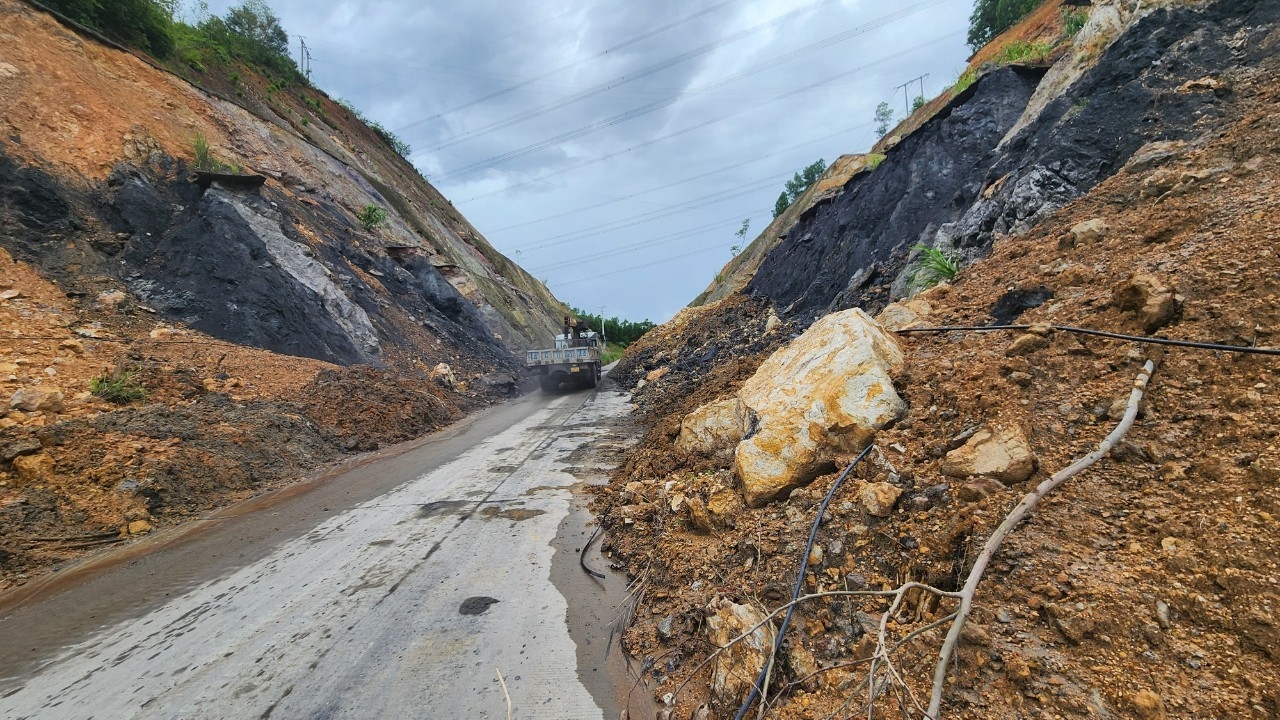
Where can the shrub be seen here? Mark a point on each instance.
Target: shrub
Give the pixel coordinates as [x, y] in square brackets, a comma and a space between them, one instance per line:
[1073, 21]
[962, 83]
[117, 387]
[874, 160]
[1021, 51]
[992, 17]
[372, 217]
[933, 267]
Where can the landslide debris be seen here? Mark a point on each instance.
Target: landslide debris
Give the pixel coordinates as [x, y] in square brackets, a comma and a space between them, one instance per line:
[1143, 587]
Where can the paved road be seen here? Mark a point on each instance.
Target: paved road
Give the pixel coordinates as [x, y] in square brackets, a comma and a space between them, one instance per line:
[398, 588]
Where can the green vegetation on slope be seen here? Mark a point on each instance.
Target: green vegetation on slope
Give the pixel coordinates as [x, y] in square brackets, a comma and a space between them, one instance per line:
[616, 331]
[992, 17]
[796, 186]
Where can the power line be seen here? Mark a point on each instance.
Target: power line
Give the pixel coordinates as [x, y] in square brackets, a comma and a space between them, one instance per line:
[570, 66]
[667, 102]
[634, 247]
[637, 267]
[632, 77]
[664, 186]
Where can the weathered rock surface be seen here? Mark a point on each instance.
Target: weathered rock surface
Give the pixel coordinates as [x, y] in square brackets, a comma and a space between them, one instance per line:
[33, 468]
[899, 315]
[735, 670]
[828, 391]
[1090, 231]
[713, 428]
[1002, 453]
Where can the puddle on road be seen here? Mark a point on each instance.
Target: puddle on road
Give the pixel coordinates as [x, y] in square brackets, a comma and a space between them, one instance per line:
[443, 507]
[477, 605]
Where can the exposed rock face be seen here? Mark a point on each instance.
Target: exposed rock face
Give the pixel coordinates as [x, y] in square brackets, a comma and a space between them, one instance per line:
[962, 180]
[828, 391]
[1002, 453]
[861, 238]
[713, 428]
[735, 670]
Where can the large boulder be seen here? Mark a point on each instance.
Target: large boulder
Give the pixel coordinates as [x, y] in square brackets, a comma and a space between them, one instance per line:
[713, 428]
[1002, 453]
[828, 391]
[736, 669]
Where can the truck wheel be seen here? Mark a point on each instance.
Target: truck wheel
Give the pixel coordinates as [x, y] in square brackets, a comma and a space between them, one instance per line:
[593, 377]
[548, 385]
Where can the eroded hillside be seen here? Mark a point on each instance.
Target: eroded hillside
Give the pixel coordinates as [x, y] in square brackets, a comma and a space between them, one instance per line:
[272, 329]
[1137, 199]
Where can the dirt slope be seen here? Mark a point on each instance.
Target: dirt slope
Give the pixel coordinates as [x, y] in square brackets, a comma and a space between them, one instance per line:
[272, 332]
[1144, 587]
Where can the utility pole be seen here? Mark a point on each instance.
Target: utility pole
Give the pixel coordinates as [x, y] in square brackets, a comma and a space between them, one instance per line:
[906, 101]
[604, 340]
[304, 57]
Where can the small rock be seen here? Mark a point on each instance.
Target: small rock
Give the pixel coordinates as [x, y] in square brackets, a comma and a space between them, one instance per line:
[1020, 379]
[444, 376]
[110, 299]
[816, 555]
[921, 502]
[1150, 300]
[1002, 453]
[736, 669]
[699, 518]
[667, 628]
[1003, 616]
[31, 399]
[33, 468]
[1026, 344]
[72, 345]
[1149, 706]
[140, 527]
[878, 499]
[10, 294]
[1162, 614]
[1090, 231]
[17, 448]
[656, 375]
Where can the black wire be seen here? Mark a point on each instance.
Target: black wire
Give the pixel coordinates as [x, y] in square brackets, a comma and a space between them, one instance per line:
[795, 593]
[582, 556]
[1099, 333]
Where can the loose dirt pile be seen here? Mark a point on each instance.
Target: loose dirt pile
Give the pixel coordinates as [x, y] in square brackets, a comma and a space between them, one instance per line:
[1145, 587]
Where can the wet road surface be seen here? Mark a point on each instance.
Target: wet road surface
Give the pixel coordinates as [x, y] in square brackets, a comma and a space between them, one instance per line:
[399, 587]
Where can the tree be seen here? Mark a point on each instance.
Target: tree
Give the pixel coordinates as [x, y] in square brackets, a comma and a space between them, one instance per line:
[782, 204]
[796, 186]
[917, 103]
[256, 24]
[884, 118]
[742, 237]
[992, 17]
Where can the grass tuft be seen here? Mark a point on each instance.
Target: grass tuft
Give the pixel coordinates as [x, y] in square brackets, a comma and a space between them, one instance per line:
[117, 387]
[933, 267]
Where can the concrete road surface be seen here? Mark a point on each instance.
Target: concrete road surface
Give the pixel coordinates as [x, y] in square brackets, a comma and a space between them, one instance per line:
[397, 588]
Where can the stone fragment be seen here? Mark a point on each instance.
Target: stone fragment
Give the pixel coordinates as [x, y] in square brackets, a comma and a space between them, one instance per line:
[72, 345]
[804, 666]
[19, 447]
[736, 669]
[31, 399]
[1090, 231]
[713, 428]
[1026, 344]
[110, 299]
[1001, 453]
[724, 506]
[33, 468]
[699, 518]
[140, 527]
[444, 376]
[897, 316]
[978, 489]
[667, 628]
[1147, 298]
[1149, 706]
[878, 499]
[827, 391]
[656, 375]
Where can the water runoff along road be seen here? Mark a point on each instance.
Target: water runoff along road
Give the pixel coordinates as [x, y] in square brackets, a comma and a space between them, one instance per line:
[397, 587]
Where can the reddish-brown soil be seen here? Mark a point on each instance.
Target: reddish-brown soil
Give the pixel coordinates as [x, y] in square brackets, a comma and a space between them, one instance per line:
[1145, 587]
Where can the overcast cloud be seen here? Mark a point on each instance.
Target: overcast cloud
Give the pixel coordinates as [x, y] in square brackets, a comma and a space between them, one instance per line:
[576, 174]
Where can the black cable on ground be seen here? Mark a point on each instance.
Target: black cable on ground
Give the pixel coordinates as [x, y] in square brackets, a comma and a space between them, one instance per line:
[795, 593]
[1098, 333]
[582, 555]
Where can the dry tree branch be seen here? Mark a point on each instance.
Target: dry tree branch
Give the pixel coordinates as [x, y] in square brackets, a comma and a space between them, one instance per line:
[1016, 516]
[505, 694]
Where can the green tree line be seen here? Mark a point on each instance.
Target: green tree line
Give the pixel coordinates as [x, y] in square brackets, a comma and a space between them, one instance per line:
[616, 330]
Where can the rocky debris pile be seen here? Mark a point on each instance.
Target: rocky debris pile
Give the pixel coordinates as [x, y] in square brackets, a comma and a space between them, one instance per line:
[364, 408]
[1139, 589]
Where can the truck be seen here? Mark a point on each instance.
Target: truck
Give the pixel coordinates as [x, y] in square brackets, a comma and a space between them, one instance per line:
[575, 359]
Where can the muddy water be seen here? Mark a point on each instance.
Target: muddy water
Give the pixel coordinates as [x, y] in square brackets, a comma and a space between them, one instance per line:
[400, 587]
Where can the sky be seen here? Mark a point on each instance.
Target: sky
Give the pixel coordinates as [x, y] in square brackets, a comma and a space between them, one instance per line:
[613, 148]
